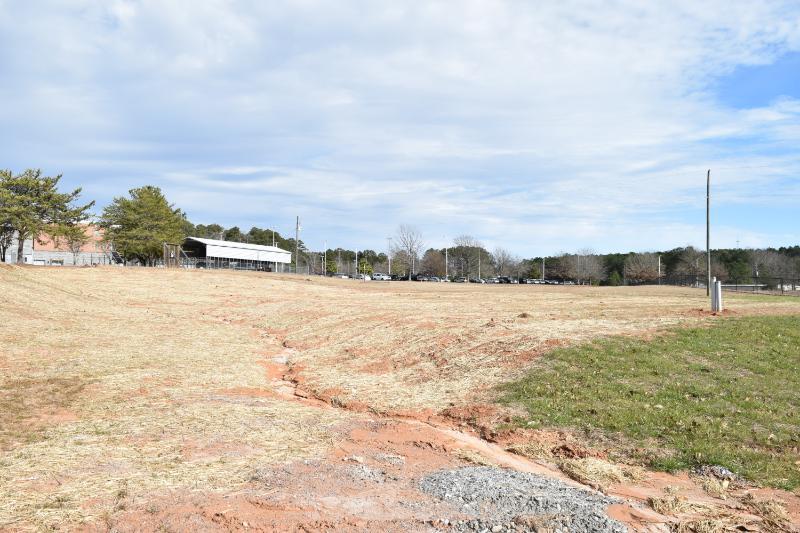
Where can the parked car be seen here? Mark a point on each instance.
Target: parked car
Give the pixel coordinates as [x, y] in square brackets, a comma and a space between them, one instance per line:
[493, 280]
[378, 276]
[365, 277]
[460, 280]
[434, 278]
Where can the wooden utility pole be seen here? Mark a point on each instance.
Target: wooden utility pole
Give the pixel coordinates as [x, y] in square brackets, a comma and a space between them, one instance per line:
[708, 232]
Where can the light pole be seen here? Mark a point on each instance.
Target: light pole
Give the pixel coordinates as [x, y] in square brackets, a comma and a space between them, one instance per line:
[445, 259]
[389, 254]
[297, 245]
[446, 271]
[659, 270]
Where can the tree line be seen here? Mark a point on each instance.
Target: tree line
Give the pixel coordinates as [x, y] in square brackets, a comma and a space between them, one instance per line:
[32, 207]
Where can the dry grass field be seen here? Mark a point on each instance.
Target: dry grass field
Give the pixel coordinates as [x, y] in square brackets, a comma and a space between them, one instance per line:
[122, 388]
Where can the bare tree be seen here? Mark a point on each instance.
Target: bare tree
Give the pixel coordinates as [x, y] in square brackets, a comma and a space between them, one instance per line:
[469, 257]
[691, 262]
[585, 266]
[504, 262]
[76, 238]
[641, 267]
[409, 241]
[768, 263]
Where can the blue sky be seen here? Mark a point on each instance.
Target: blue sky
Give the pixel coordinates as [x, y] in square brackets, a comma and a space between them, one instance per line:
[540, 127]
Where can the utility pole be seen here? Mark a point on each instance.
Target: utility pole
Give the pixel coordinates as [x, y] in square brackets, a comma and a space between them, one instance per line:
[389, 254]
[479, 263]
[325, 259]
[445, 259]
[659, 270]
[708, 232]
[543, 268]
[297, 245]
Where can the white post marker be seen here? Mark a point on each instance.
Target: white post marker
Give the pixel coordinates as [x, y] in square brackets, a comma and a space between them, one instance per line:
[716, 295]
[712, 288]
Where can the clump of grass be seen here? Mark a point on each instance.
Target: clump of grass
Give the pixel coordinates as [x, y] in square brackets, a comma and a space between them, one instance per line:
[598, 473]
[773, 512]
[473, 457]
[721, 524]
[715, 487]
[673, 504]
[532, 450]
[724, 395]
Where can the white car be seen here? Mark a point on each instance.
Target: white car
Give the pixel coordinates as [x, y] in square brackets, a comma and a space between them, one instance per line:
[381, 277]
[365, 277]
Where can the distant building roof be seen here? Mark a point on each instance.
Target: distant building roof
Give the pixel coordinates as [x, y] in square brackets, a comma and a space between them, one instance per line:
[240, 245]
[242, 250]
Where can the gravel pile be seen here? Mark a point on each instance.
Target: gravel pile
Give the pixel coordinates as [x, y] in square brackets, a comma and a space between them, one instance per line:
[496, 500]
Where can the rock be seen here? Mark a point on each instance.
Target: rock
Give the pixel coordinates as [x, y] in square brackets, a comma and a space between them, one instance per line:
[490, 495]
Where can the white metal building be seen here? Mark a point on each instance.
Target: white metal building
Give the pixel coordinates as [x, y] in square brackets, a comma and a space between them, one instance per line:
[211, 253]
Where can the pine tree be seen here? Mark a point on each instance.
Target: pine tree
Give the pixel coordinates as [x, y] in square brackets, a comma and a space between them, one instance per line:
[140, 225]
[31, 205]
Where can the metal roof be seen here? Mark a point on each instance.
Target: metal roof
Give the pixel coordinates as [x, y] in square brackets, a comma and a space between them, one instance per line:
[239, 245]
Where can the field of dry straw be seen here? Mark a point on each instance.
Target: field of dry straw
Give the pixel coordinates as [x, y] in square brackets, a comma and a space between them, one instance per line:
[119, 383]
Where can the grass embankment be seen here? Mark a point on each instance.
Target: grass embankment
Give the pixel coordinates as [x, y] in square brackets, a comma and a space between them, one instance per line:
[728, 394]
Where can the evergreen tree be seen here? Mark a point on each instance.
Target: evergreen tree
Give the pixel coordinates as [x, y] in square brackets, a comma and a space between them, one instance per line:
[31, 205]
[140, 225]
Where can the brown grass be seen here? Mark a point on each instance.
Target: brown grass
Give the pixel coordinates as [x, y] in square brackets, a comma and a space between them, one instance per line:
[772, 511]
[598, 473]
[111, 390]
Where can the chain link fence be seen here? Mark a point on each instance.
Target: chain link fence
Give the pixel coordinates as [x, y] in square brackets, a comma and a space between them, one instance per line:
[782, 286]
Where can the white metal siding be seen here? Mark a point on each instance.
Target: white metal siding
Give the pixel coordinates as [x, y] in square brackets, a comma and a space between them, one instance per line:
[228, 252]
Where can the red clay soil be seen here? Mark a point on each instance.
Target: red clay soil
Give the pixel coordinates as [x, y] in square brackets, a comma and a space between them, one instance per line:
[368, 482]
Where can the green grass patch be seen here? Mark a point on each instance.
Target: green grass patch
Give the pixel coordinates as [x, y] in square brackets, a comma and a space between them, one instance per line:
[728, 394]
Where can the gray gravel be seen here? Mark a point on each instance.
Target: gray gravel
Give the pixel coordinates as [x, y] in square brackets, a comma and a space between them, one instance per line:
[496, 499]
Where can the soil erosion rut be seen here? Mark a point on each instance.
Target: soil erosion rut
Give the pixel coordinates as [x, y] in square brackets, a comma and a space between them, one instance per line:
[286, 382]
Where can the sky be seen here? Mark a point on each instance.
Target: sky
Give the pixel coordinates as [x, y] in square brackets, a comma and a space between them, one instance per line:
[539, 127]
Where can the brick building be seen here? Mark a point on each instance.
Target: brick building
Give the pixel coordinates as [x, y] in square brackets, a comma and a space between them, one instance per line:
[48, 252]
